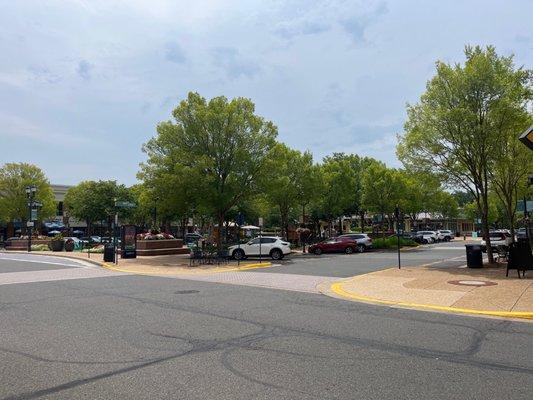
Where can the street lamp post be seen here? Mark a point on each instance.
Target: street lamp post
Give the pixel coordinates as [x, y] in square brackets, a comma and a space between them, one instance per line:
[30, 194]
[155, 212]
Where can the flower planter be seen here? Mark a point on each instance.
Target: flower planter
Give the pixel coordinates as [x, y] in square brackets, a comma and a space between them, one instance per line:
[161, 247]
[69, 246]
[57, 245]
[22, 244]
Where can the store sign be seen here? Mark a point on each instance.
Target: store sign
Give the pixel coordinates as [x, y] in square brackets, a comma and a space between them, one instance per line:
[129, 241]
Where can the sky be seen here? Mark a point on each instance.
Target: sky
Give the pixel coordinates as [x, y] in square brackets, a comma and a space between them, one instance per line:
[83, 84]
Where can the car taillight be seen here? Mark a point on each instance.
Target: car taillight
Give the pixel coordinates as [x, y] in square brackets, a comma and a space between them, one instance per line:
[370, 240]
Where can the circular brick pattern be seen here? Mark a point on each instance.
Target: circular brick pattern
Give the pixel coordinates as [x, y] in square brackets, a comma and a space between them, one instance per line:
[472, 283]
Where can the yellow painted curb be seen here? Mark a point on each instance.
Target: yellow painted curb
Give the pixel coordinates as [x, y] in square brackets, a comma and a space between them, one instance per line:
[243, 267]
[338, 289]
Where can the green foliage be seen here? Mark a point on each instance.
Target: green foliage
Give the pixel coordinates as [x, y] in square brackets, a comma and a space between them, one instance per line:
[382, 188]
[456, 128]
[40, 247]
[392, 243]
[214, 151]
[14, 178]
[93, 201]
[342, 184]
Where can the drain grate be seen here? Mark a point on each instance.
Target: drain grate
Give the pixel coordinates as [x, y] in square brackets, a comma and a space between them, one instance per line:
[186, 291]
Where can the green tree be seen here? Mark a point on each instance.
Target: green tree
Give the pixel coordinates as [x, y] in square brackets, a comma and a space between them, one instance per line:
[513, 162]
[14, 178]
[280, 185]
[93, 201]
[342, 187]
[383, 190]
[457, 126]
[221, 147]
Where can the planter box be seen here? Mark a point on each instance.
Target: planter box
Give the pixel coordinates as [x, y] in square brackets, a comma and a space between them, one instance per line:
[22, 244]
[161, 247]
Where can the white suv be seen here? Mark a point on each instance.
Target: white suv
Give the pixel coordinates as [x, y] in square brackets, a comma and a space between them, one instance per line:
[445, 235]
[428, 236]
[497, 238]
[270, 246]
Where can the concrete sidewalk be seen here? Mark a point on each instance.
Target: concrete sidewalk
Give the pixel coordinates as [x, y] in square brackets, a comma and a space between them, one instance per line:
[175, 265]
[485, 291]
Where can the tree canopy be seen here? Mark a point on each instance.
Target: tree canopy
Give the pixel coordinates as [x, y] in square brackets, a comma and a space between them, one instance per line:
[457, 126]
[14, 178]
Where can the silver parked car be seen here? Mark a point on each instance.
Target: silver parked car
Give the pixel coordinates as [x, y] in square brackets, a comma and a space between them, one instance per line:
[364, 242]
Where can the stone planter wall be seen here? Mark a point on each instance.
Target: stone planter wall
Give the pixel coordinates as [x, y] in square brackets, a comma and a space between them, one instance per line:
[22, 244]
[161, 247]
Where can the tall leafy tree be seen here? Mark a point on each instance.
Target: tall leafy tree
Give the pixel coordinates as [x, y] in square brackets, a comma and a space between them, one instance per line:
[513, 162]
[341, 175]
[280, 185]
[221, 145]
[458, 124]
[93, 201]
[14, 178]
[383, 190]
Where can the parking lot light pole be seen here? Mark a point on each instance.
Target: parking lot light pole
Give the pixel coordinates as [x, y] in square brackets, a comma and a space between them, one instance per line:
[30, 194]
[155, 212]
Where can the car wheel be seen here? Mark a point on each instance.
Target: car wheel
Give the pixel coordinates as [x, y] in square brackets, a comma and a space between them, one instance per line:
[276, 254]
[348, 250]
[361, 248]
[238, 254]
[318, 251]
[425, 241]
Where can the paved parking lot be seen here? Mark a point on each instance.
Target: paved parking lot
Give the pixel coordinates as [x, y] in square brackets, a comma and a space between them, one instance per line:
[451, 254]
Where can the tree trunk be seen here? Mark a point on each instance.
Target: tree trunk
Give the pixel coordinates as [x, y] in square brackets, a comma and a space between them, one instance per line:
[362, 215]
[485, 226]
[219, 236]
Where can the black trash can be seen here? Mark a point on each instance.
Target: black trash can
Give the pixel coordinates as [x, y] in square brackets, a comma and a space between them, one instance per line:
[109, 252]
[474, 256]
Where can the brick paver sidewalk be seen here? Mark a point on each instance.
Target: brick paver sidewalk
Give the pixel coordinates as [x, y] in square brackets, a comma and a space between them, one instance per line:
[486, 290]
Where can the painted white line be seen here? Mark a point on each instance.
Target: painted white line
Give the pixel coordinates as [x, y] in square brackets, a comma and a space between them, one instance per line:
[35, 261]
[11, 278]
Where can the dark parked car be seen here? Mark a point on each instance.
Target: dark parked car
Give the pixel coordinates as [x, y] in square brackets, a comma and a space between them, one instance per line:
[340, 244]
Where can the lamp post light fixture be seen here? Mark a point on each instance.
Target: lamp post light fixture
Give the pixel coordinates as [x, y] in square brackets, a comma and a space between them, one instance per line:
[30, 194]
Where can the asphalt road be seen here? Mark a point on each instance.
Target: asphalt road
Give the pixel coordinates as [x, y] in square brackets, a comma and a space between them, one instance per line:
[138, 337]
[439, 255]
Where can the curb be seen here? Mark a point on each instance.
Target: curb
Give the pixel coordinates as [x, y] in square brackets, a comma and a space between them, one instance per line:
[244, 267]
[336, 288]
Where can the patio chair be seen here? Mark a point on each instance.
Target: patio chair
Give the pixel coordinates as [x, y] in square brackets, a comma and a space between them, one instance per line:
[502, 253]
[222, 256]
[196, 257]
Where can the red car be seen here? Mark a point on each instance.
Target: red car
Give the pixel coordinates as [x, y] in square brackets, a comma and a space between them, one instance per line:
[333, 245]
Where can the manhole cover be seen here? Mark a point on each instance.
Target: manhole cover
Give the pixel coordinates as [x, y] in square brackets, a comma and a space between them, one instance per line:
[473, 283]
[186, 291]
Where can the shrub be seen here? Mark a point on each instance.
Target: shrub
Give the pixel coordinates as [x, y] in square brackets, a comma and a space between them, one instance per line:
[39, 247]
[391, 243]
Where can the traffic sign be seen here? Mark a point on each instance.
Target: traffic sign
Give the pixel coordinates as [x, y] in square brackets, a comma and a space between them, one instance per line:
[124, 204]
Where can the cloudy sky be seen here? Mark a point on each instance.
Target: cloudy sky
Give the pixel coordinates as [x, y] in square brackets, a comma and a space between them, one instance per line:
[83, 83]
